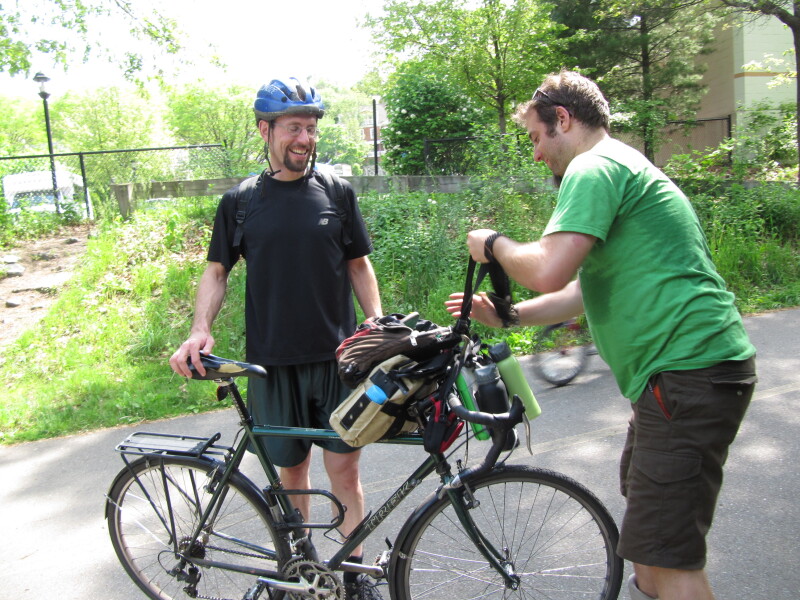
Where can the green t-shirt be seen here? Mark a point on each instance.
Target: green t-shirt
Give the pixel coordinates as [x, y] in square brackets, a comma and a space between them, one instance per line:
[653, 298]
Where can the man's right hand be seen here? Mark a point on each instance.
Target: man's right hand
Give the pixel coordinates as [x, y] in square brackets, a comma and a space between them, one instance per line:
[191, 349]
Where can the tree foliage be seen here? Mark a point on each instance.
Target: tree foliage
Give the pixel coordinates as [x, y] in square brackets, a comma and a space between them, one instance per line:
[497, 53]
[200, 114]
[66, 30]
[340, 130]
[422, 105]
[645, 57]
[21, 127]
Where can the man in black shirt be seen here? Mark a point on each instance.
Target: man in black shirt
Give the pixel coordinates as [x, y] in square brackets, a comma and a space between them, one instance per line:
[304, 260]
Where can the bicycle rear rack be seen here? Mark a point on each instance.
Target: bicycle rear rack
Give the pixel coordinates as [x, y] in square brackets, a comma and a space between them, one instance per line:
[142, 443]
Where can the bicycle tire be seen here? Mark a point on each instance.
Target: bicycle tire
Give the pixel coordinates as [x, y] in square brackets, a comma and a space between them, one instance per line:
[140, 507]
[563, 364]
[558, 536]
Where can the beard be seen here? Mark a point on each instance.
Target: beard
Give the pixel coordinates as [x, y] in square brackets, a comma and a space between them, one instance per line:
[294, 163]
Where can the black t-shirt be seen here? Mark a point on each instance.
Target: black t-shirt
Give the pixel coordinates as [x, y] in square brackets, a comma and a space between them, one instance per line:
[299, 301]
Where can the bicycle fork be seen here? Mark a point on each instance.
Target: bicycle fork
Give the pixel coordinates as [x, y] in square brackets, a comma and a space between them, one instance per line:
[463, 501]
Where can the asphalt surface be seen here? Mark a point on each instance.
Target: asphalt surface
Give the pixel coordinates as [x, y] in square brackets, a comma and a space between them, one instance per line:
[54, 540]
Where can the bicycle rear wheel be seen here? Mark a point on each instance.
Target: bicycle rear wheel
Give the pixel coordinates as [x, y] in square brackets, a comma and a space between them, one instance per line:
[157, 496]
[553, 533]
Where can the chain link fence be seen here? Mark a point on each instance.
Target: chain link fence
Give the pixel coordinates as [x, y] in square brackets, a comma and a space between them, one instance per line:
[81, 181]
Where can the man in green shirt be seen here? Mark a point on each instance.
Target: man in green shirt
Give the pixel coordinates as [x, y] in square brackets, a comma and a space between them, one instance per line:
[660, 316]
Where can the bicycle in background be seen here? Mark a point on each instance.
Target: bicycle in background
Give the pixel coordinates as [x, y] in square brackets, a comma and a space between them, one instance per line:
[565, 349]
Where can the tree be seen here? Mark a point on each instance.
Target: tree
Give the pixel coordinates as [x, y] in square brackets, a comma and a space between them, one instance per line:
[109, 119]
[787, 13]
[21, 127]
[644, 56]
[497, 53]
[422, 105]
[340, 130]
[206, 115]
[66, 30]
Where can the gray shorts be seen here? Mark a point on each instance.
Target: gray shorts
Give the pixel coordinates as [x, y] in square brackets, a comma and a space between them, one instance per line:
[297, 396]
[671, 467]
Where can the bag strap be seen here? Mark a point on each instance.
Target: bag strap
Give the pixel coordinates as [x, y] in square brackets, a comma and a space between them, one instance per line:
[501, 297]
[245, 191]
[462, 324]
[335, 191]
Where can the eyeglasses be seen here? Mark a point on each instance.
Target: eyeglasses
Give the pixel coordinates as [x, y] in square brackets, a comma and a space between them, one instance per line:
[295, 130]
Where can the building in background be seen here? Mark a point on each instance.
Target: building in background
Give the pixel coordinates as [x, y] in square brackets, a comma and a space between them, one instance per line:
[373, 119]
[748, 59]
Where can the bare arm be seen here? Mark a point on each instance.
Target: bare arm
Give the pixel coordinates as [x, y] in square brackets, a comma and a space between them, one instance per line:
[542, 310]
[545, 266]
[210, 294]
[365, 286]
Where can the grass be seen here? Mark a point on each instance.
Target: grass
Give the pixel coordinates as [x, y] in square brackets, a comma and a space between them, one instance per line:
[99, 358]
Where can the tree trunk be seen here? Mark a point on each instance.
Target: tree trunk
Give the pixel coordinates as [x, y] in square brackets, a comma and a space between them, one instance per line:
[647, 89]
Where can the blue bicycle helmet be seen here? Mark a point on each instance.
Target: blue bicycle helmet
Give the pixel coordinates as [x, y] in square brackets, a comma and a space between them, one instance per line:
[290, 97]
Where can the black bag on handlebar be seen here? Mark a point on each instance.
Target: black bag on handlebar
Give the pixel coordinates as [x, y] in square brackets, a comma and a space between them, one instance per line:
[442, 428]
[379, 338]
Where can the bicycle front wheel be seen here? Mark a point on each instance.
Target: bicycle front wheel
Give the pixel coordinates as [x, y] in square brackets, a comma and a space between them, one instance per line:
[549, 531]
[153, 510]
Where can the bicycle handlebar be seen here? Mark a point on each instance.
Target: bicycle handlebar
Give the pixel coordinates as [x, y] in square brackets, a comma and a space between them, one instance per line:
[499, 424]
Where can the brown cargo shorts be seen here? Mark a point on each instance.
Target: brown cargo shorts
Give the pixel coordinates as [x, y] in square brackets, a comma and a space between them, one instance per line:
[671, 466]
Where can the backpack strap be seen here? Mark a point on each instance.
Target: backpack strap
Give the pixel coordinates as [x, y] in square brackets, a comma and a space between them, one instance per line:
[244, 192]
[335, 191]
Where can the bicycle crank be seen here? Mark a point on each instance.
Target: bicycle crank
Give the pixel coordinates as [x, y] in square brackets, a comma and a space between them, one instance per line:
[308, 579]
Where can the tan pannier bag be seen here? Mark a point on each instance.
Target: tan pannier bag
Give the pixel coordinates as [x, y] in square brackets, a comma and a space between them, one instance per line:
[378, 407]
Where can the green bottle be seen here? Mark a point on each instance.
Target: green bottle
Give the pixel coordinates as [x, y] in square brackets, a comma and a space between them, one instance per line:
[464, 384]
[512, 375]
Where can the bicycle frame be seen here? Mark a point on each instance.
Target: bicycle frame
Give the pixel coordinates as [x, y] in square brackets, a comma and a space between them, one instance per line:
[282, 508]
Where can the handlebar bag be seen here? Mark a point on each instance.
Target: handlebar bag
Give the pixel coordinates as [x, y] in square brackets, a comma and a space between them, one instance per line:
[442, 428]
[379, 338]
[378, 407]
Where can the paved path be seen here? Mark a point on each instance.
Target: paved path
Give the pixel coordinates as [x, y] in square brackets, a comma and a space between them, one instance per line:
[55, 541]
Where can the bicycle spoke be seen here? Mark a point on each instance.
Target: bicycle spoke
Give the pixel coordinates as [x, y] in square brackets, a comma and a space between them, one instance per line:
[549, 532]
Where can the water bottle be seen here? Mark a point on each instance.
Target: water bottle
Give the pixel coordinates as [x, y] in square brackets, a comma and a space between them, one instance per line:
[514, 379]
[465, 383]
[492, 397]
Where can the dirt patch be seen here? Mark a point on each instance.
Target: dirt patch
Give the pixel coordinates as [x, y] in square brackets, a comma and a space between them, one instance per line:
[33, 281]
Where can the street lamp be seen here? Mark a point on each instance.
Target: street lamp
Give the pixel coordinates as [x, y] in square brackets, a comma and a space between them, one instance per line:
[41, 79]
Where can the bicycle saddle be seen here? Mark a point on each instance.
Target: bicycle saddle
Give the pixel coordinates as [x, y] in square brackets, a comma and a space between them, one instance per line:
[224, 368]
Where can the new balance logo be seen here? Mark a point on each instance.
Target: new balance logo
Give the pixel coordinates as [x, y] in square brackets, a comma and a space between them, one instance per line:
[323, 221]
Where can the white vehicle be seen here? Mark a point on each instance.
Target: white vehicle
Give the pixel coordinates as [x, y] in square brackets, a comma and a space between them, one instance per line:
[340, 169]
[34, 191]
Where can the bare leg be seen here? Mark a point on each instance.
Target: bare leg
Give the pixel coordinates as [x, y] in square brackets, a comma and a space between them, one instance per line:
[346, 486]
[297, 478]
[673, 584]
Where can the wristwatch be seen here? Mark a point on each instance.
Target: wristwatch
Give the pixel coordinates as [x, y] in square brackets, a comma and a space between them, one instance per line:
[488, 244]
[513, 317]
